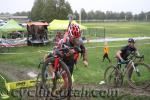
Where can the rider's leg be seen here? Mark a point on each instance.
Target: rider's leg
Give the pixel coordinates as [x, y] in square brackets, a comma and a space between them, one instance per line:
[107, 57]
[70, 64]
[130, 72]
[104, 56]
[52, 72]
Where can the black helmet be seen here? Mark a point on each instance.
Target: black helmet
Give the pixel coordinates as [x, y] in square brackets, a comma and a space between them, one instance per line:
[131, 40]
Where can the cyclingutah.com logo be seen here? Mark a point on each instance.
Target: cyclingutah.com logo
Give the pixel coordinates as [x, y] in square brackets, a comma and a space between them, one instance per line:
[82, 92]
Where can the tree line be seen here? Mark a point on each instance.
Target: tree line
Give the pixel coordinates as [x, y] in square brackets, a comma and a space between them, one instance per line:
[59, 9]
[109, 15]
[50, 9]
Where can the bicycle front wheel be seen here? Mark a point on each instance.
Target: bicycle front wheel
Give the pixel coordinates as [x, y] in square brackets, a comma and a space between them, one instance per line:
[60, 86]
[139, 77]
[113, 76]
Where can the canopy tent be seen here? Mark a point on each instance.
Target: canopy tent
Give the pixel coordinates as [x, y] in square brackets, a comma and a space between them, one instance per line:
[11, 25]
[62, 25]
[38, 23]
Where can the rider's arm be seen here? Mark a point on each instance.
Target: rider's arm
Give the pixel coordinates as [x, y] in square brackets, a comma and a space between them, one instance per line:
[118, 54]
[83, 52]
[46, 56]
[137, 53]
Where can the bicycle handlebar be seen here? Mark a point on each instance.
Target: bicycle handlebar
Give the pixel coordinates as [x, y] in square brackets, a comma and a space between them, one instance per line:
[131, 58]
[66, 50]
[140, 56]
[125, 62]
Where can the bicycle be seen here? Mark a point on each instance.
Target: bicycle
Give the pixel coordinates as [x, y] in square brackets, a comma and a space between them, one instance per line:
[62, 76]
[138, 73]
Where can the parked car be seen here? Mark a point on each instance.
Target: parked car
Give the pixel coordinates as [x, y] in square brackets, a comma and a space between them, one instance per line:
[2, 22]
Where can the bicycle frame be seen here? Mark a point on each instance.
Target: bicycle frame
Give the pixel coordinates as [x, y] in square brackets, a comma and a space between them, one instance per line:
[129, 64]
[119, 73]
[55, 61]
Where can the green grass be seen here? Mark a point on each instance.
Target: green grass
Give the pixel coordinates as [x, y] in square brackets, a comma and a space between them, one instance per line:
[93, 74]
[117, 29]
[26, 56]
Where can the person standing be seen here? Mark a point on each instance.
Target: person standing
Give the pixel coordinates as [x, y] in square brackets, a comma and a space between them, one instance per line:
[106, 51]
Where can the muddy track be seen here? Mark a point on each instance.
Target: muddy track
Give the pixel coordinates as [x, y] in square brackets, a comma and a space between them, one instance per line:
[15, 73]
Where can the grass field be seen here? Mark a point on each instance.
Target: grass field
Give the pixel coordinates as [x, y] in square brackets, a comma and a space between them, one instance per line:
[92, 74]
[117, 29]
[30, 56]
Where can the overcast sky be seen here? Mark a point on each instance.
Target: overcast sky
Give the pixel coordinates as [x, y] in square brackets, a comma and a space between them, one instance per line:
[135, 6]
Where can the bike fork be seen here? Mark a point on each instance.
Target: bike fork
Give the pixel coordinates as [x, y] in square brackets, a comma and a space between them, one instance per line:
[135, 69]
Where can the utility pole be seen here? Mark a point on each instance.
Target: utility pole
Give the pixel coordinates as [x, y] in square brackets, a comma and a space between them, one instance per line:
[146, 17]
[104, 34]
[125, 17]
[80, 17]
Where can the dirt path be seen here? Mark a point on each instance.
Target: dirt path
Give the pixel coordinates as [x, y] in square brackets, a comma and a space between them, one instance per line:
[15, 73]
[19, 73]
[121, 90]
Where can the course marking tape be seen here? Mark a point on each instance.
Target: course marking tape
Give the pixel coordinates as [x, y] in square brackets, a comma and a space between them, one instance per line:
[3, 95]
[114, 46]
[40, 51]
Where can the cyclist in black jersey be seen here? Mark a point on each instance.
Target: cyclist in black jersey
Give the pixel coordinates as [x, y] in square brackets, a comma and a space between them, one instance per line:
[127, 50]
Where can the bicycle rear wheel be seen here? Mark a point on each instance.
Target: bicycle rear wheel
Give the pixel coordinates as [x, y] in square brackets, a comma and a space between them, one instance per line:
[139, 78]
[41, 92]
[62, 77]
[113, 76]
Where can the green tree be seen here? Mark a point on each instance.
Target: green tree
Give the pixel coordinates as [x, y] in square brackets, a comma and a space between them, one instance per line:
[129, 15]
[36, 12]
[77, 15]
[148, 16]
[109, 14]
[122, 15]
[83, 14]
[23, 13]
[135, 17]
[63, 9]
[141, 16]
[49, 11]
[91, 15]
[99, 15]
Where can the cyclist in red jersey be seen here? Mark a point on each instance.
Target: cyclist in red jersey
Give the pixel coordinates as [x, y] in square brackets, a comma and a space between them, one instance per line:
[73, 45]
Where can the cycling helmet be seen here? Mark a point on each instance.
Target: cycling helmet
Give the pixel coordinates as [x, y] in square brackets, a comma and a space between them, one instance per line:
[131, 40]
[74, 31]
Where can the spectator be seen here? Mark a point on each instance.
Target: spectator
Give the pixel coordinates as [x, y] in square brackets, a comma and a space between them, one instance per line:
[106, 51]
